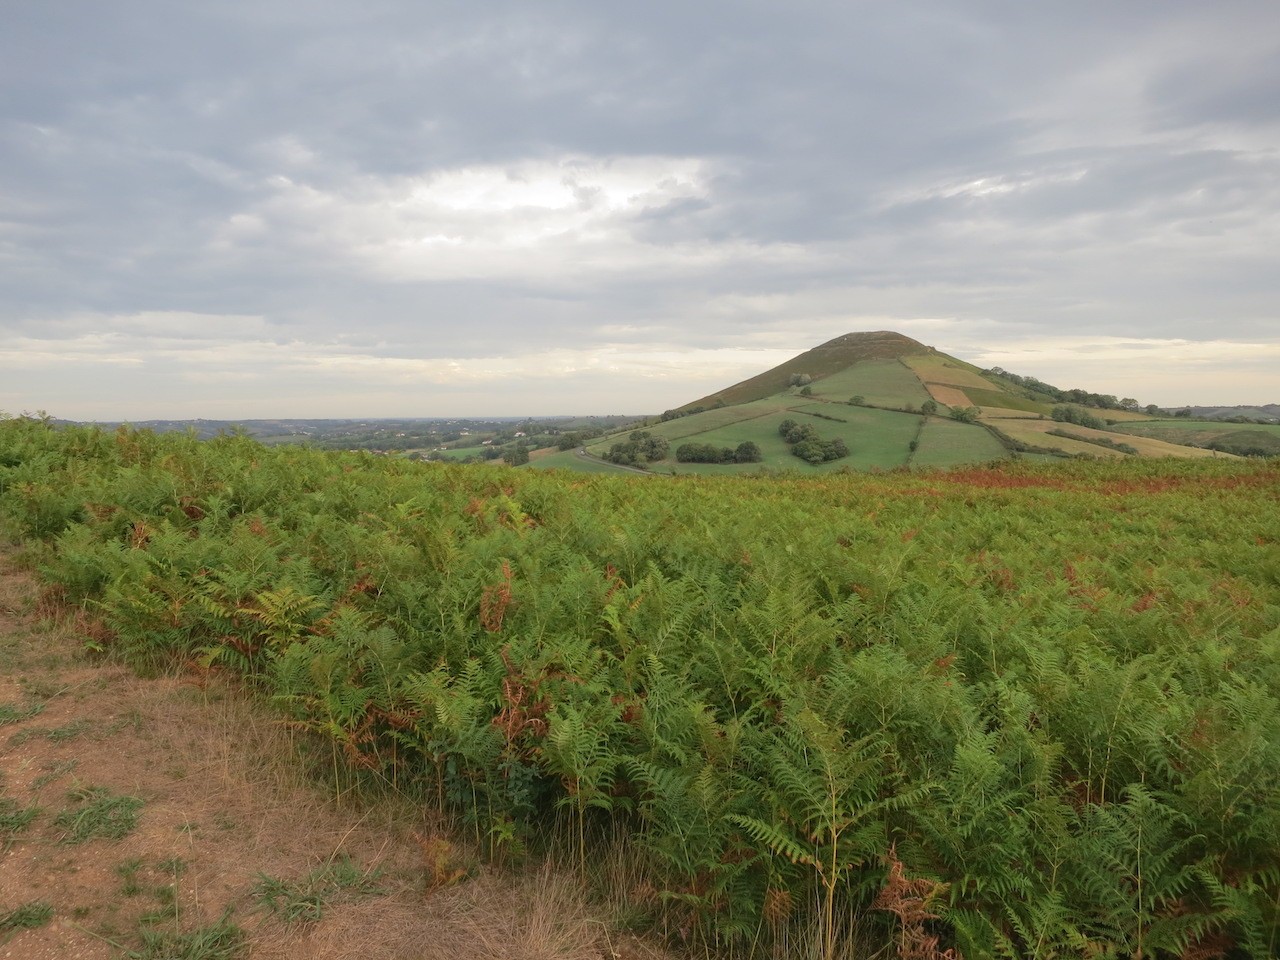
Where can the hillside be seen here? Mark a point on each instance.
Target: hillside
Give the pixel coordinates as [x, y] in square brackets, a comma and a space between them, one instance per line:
[822, 361]
[881, 400]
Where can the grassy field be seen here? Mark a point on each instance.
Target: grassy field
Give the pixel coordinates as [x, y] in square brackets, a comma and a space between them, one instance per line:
[1007, 413]
[1263, 437]
[932, 368]
[943, 441]
[569, 460]
[881, 383]
[698, 424]
[949, 396]
[984, 397]
[1028, 430]
[876, 438]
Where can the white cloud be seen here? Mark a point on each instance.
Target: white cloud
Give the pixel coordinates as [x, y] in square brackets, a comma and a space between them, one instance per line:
[574, 218]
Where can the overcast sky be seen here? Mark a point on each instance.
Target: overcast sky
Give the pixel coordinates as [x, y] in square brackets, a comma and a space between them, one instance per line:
[261, 208]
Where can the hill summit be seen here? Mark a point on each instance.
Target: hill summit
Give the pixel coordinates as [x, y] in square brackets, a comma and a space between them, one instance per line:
[823, 360]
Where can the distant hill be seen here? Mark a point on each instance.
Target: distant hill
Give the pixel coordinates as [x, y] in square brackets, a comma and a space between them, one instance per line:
[1267, 411]
[831, 357]
[881, 400]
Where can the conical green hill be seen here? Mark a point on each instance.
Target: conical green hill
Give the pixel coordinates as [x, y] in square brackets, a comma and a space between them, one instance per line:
[824, 360]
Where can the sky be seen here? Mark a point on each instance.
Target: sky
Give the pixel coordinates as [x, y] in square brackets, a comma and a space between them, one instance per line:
[268, 208]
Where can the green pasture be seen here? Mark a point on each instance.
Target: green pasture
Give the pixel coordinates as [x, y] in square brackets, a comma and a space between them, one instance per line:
[569, 460]
[697, 424]
[876, 439]
[985, 397]
[946, 443]
[881, 383]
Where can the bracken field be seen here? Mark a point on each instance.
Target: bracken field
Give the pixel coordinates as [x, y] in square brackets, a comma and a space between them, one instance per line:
[1021, 711]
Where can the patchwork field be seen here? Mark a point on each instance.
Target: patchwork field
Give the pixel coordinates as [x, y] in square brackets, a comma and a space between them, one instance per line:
[936, 368]
[949, 396]
[876, 438]
[1240, 437]
[1006, 413]
[889, 373]
[569, 460]
[881, 383]
[1037, 432]
[990, 400]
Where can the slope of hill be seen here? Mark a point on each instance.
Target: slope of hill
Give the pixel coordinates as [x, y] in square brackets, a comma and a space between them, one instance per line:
[891, 402]
[1266, 411]
[829, 358]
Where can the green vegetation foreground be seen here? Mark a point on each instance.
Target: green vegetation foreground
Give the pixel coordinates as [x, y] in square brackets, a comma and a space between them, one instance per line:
[1022, 711]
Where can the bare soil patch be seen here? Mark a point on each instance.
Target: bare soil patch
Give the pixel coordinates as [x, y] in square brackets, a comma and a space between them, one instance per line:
[225, 806]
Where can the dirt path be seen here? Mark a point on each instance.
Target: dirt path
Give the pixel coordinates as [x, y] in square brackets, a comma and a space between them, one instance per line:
[223, 816]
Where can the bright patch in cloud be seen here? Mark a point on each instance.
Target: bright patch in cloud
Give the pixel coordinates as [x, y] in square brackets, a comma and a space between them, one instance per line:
[535, 220]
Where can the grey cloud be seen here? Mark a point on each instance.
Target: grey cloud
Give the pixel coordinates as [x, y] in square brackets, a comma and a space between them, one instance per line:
[1014, 166]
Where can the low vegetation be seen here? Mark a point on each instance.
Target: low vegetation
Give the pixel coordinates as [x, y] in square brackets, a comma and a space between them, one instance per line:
[304, 900]
[1007, 712]
[97, 812]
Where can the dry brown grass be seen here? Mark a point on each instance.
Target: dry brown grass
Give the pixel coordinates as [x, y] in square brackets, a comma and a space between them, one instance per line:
[950, 396]
[1037, 432]
[227, 797]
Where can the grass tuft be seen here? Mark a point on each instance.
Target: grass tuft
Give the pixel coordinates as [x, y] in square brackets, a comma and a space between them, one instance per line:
[220, 941]
[27, 917]
[98, 813]
[13, 818]
[302, 901]
[128, 872]
[12, 713]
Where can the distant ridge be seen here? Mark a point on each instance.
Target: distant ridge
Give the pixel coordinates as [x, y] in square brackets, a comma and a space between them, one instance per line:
[823, 360]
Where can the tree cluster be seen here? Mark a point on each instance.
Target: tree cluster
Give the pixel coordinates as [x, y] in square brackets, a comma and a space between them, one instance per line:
[1103, 401]
[746, 452]
[641, 447]
[805, 443]
[575, 438]
[1081, 418]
